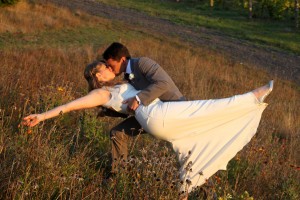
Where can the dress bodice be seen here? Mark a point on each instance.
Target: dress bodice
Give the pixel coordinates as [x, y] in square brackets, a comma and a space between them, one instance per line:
[119, 93]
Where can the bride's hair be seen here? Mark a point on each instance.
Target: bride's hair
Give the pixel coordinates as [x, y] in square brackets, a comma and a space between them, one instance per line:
[90, 75]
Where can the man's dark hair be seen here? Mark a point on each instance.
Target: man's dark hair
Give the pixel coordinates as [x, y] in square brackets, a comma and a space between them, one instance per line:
[116, 51]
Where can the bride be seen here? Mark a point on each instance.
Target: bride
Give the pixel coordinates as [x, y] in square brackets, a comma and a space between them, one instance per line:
[205, 134]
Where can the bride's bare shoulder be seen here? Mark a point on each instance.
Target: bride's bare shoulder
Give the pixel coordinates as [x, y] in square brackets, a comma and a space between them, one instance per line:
[100, 91]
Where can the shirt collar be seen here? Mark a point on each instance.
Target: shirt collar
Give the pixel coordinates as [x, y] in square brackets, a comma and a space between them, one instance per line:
[128, 68]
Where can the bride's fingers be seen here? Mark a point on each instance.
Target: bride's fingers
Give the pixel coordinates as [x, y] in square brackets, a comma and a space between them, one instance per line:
[29, 120]
[26, 123]
[32, 124]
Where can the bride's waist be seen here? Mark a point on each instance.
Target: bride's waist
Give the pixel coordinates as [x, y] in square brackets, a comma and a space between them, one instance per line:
[152, 110]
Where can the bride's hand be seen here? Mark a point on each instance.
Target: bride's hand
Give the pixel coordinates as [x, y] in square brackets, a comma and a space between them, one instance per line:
[32, 120]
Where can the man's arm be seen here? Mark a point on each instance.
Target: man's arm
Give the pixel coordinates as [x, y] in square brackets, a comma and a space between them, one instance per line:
[106, 112]
[160, 81]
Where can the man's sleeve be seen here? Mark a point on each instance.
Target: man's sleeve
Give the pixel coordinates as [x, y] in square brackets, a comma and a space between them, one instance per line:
[105, 112]
[159, 79]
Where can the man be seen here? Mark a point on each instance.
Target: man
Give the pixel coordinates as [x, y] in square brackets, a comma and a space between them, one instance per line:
[145, 75]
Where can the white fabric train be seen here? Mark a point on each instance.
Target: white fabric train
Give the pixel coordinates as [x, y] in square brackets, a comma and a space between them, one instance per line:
[205, 134]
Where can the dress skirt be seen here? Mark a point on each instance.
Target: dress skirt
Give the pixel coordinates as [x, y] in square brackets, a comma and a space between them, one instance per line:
[205, 134]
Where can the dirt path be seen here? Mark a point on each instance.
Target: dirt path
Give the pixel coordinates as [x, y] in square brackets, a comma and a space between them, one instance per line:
[278, 63]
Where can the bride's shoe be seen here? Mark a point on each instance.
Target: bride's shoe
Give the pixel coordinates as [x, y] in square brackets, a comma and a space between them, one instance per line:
[270, 88]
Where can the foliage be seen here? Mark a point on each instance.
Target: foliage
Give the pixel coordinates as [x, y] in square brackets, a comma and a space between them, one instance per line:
[8, 2]
[274, 9]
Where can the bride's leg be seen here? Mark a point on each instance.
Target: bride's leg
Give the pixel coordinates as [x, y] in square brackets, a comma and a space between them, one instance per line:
[262, 92]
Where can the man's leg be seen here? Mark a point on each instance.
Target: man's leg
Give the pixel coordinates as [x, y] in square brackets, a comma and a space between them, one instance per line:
[121, 136]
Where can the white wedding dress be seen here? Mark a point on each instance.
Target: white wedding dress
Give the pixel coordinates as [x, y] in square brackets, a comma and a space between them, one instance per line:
[205, 134]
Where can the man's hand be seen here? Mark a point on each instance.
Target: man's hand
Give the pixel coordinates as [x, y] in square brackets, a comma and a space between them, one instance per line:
[133, 104]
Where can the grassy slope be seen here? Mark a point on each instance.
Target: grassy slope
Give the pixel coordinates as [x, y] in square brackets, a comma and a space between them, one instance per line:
[42, 66]
[55, 28]
[277, 34]
[76, 37]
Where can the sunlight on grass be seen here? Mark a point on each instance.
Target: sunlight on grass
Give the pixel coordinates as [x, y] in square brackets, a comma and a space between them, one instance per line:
[68, 157]
[56, 27]
[66, 37]
[232, 23]
[74, 151]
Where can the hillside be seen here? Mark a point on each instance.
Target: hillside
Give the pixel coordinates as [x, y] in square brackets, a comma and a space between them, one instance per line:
[278, 62]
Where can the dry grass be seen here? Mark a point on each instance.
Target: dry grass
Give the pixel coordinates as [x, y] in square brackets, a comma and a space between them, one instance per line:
[27, 17]
[67, 157]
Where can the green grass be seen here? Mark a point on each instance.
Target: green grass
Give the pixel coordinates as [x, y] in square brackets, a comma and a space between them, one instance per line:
[276, 34]
[78, 36]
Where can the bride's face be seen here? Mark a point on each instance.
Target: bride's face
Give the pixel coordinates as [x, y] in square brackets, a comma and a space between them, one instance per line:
[105, 75]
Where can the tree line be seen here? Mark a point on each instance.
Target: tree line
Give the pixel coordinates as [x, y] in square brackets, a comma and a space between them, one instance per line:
[263, 9]
[272, 9]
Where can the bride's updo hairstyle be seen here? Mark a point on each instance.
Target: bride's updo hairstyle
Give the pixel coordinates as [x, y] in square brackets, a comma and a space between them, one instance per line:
[90, 74]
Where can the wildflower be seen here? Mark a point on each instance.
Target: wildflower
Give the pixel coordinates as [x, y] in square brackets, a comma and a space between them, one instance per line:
[261, 149]
[29, 132]
[36, 186]
[61, 89]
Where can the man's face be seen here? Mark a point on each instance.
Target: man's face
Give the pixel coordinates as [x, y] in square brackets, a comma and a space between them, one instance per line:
[117, 66]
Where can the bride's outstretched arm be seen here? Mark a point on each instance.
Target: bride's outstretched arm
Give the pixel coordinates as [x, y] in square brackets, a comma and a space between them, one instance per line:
[95, 98]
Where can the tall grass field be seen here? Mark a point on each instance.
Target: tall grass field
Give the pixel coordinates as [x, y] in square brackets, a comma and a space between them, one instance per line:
[43, 52]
